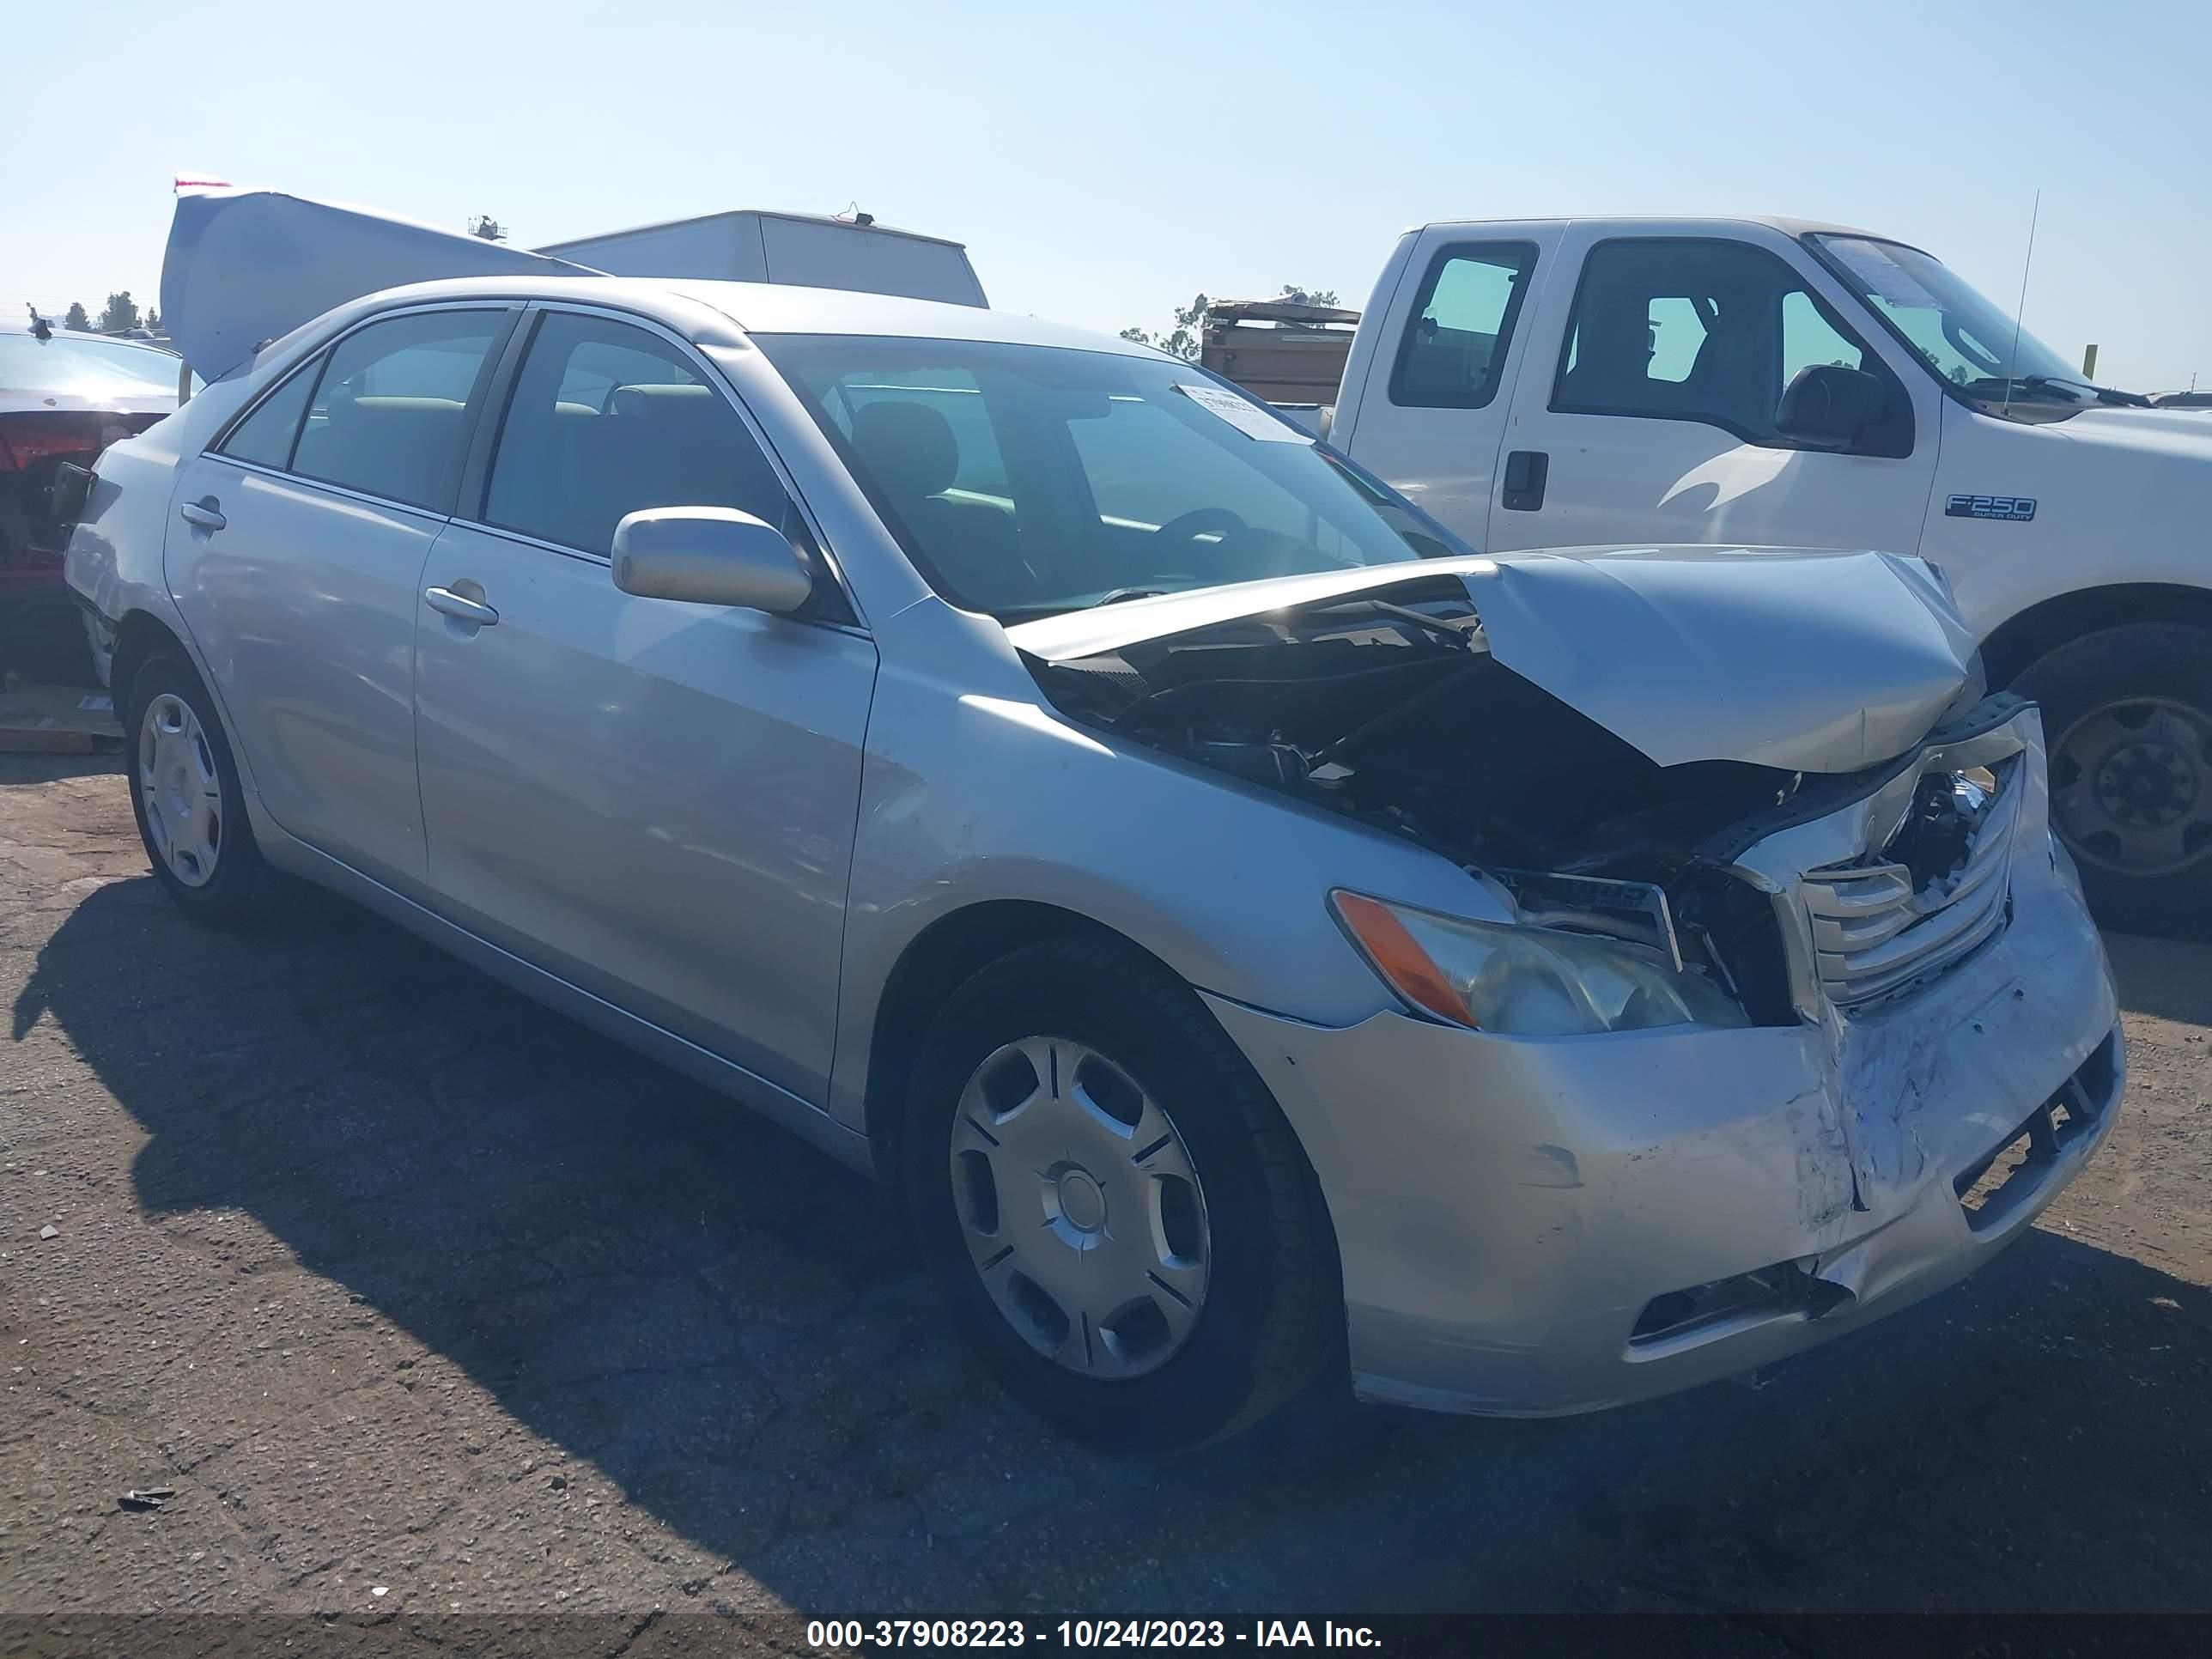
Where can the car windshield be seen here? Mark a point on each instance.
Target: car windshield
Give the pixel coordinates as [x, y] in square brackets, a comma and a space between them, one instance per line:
[1965, 338]
[81, 365]
[1024, 481]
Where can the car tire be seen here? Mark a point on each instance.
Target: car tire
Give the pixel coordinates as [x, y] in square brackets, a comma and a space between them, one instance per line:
[2127, 719]
[1265, 1305]
[189, 805]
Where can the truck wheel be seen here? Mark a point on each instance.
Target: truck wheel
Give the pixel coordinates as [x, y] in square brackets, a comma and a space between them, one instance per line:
[1126, 1226]
[2127, 719]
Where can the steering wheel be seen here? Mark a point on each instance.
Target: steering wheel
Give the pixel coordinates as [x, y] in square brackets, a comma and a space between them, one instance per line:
[1190, 526]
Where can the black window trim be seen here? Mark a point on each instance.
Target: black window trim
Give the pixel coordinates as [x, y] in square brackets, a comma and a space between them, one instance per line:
[1829, 315]
[316, 362]
[1507, 324]
[310, 368]
[832, 604]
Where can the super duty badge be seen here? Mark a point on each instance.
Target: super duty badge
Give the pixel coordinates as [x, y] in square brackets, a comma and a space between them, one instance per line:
[2013, 509]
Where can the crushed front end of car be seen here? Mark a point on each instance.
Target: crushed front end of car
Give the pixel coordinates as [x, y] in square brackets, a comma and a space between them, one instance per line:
[1789, 1011]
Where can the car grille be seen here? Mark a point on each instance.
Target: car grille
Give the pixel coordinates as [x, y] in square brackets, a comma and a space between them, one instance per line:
[1938, 889]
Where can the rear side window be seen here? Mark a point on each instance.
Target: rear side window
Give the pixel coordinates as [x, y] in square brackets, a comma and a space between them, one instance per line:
[1453, 349]
[389, 416]
[265, 437]
[607, 420]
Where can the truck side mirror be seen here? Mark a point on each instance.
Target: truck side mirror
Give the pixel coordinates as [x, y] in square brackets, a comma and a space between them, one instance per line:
[1828, 405]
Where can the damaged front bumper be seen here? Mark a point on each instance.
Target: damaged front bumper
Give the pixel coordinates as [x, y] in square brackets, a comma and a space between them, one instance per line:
[1531, 1226]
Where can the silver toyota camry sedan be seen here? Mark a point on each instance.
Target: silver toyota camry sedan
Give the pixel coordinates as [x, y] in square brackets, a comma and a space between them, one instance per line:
[1256, 934]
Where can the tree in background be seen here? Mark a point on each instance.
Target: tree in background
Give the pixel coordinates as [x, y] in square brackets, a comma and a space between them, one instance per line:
[122, 314]
[1184, 339]
[153, 319]
[75, 318]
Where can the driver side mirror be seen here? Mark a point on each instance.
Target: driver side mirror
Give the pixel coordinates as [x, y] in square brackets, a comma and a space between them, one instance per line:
[709, 556]
[1828, 405]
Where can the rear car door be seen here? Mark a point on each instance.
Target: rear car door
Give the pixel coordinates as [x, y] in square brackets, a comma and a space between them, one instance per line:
[654, 801]
[1655, 420]
[296, 557]
[1434, 397]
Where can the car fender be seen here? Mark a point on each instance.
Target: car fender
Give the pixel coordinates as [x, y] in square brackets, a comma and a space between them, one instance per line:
[980, 793]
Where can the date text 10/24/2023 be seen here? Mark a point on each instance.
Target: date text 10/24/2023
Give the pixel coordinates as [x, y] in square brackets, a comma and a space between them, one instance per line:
[854, 1634]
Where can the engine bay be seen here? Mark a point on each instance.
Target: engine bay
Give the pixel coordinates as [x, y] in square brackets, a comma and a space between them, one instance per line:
[1393, 711]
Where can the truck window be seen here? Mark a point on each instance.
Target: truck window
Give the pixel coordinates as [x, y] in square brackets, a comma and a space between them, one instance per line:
[1454, 349]
[1695, 331]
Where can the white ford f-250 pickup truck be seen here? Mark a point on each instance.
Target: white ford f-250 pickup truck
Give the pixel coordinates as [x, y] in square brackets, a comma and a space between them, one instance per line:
[1566, 382]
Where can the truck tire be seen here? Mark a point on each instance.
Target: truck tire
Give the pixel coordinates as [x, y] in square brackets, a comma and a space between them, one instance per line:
[2127, 720]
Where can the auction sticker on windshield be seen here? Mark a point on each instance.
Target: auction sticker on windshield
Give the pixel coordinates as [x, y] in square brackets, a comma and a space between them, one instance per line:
[1247, 417]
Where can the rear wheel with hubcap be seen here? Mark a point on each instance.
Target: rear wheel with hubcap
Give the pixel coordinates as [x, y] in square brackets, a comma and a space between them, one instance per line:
[2127, 718]
[1127, 1228]
[187, 799]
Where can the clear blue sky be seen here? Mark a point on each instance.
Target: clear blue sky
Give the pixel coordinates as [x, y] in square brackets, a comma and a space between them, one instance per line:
[1104, 163]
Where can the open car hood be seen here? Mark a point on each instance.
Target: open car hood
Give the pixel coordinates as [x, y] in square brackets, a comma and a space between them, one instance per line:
[244, 266]
[1809, 660]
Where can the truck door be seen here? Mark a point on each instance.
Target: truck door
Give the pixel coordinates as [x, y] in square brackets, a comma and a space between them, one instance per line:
[1436, 377]
[1654, 419]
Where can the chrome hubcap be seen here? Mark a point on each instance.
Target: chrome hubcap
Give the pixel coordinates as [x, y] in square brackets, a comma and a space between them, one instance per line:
[1079, 1208]
[2132, 786]
[183, 795]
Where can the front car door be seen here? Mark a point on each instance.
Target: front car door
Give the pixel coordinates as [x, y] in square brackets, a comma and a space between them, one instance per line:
[296, 557]
[653, 800]
[1655, 420]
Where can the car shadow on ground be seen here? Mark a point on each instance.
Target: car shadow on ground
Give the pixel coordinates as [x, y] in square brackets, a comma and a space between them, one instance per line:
[730, 1326]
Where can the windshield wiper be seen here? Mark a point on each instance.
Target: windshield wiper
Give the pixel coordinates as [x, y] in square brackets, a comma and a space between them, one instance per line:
[2105, 394]
[2065, 384]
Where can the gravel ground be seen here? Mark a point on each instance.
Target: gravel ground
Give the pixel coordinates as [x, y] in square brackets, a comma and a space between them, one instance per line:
[422, 1299]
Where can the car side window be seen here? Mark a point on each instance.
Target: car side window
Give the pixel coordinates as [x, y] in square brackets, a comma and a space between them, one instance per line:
[266, 436]
[389, 416]
[1453, 352]
[1697, 331]
[608, 419]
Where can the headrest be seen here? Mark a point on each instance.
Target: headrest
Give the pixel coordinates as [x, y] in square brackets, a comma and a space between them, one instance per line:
[909, 447]
[650, 400]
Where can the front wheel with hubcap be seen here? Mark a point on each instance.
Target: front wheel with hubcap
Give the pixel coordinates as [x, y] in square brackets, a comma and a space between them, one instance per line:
[2127, 718]
[1127, 1227]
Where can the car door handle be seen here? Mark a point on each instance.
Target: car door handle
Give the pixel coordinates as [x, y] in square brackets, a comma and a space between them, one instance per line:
[460, 607]
[203, 513]
[1526, 471]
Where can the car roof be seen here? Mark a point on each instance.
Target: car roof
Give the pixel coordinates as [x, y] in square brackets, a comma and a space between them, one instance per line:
[769, 308]
[1788, 227]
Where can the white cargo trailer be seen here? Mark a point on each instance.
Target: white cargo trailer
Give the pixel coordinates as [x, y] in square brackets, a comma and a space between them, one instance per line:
[750, 246]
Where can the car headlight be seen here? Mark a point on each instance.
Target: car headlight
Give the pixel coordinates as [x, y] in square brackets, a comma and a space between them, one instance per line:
[1525, 981]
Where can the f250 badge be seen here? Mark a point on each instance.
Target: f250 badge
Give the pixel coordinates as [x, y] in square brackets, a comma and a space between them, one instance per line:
[2012, 509]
